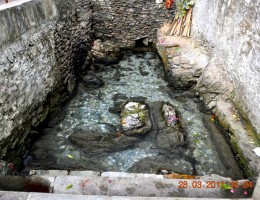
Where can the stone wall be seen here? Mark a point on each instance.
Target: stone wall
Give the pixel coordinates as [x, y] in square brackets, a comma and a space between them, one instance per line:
[232, 29]
[124, 21]
[42, 43]
[45, 43]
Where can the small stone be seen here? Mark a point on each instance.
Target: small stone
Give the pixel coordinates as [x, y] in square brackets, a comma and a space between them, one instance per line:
[257, 151]
[212, 105]
[192, 62]
[170, 115]
[146, 42]
[186, 66]
[92, 81]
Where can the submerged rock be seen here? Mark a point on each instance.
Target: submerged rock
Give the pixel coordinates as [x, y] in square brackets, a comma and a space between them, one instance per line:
[168, 139]
[94, 143]
[135, 118]
[92, 81]
[156, 163]
[119, 96]
[114, 110]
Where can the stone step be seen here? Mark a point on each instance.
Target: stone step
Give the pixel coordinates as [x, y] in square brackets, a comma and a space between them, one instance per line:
[91, 173]
[4, 195]
[137, 184]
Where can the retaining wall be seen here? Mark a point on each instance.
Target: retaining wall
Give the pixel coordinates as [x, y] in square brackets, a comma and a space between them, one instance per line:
[124, 21]
[44, 44]
[40, 41]
[232, 29]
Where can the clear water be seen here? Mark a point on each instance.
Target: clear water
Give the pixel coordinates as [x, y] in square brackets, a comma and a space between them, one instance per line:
[140, 75]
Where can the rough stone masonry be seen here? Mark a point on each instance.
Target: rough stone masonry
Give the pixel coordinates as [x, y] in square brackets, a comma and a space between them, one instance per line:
[232, 29]
[40, 43]
[45, 43]
[126, 21]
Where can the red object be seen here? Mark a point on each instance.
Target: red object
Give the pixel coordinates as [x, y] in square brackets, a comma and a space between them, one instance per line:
[168, 4]
[12, 167]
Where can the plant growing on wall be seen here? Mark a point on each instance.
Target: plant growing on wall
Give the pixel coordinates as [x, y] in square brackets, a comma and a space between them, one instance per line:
[183, 6]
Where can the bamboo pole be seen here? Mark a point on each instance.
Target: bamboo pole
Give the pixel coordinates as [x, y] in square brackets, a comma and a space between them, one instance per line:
[179, 27]
[187, 24]
[182, 25]
[175, 23]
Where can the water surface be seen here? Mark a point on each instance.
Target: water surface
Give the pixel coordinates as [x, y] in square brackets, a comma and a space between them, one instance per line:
[139, 75]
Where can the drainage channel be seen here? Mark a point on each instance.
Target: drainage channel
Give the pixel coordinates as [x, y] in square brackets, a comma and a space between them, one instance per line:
[85, 135]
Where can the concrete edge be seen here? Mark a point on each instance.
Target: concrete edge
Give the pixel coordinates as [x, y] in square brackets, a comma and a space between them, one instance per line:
[47, 196]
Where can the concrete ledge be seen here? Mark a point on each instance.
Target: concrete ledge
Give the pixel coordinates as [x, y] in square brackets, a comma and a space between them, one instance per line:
[47, 196]
[12, 4]
[49, 172]
[44, 196]
[84, 173]
[22, 16]
[6, 195]
[130, 175]
[146, 187]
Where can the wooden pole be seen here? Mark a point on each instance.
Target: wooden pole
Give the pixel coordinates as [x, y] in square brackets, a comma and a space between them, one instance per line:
[175, 23]
[190, 22]
[179, 27]
[187, 24]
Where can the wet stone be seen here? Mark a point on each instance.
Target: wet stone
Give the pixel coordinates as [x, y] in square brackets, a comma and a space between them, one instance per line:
[92, 81]
[169, 115]
[91, 142]
[91, 137]
[170, 133]
[156, 164]
[135, 118]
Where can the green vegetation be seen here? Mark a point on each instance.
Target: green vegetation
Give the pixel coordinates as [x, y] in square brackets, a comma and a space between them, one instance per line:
[183, 6]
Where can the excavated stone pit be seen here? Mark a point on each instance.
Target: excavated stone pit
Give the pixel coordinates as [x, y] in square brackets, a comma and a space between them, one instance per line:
[170, 134]
[128, 111]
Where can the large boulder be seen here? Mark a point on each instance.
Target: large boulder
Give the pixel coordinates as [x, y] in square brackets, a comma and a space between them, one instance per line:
[169, 126]
[135, 119]
[106, 52]
[183, 64]
[214, 84]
